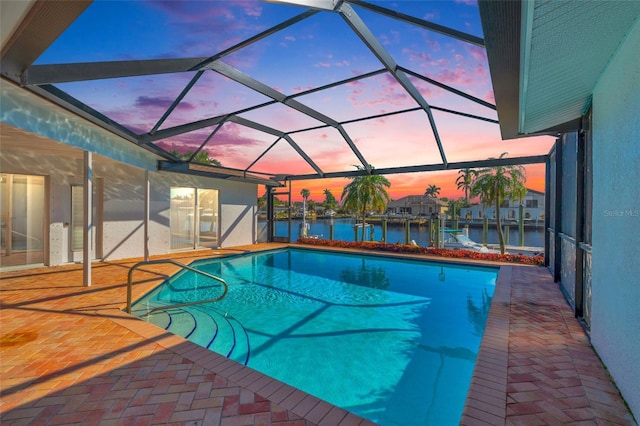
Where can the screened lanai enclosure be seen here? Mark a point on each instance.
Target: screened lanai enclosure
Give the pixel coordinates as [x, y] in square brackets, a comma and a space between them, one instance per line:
[275, 91]
[190, 108]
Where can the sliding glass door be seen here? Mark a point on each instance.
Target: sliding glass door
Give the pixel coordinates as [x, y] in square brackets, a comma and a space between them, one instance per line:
[194, 218]
[22, 205]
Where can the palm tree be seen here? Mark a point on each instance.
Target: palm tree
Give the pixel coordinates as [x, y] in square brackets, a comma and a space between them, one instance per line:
[329, 200]
[432, 191]
[496, 185]
[305, 194]
[464, 181]
[311, 207]
[366, 193]
[454, 207]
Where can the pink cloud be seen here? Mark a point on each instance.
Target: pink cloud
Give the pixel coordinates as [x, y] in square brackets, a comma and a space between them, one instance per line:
[383, 90]
[299, 89]
[416, 56]
[457, 76]
[253, 9]
[481, 72]
[489, 97]
[433, 45]
[160, 102]
[478, 53]
[209, 23]
[384, 39]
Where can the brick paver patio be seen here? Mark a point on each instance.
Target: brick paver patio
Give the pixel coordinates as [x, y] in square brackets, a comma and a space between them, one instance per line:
[69, 355]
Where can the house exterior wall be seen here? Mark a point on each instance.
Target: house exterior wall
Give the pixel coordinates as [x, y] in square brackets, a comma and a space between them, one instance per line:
[121, 167]
[478, 211]
[238, 208]
[123, 200]
[615, 330]
[416, 205]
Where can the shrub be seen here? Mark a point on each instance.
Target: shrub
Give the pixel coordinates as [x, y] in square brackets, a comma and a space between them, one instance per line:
[408, 249]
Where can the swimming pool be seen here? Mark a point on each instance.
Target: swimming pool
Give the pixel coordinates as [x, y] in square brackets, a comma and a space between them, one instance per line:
[392, 340]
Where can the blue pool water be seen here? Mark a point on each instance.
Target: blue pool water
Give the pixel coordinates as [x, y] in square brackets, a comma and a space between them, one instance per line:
[392, 340]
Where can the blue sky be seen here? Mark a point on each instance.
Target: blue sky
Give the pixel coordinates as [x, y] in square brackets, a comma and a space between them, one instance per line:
[317, 51]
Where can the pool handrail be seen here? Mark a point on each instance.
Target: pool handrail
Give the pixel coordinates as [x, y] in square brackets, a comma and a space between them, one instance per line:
[182, 266]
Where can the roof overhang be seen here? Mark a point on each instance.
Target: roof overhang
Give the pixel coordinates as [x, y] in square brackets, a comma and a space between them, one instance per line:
[547, 57]
[215, 172]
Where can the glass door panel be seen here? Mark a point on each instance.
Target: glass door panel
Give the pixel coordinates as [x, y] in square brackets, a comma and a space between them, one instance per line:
[182, 218]
[22, 205]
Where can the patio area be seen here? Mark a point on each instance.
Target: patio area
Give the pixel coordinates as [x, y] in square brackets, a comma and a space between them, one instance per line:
[69, 355]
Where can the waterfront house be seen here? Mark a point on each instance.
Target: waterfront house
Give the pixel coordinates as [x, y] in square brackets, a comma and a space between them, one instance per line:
[415, 206]
[533, 209]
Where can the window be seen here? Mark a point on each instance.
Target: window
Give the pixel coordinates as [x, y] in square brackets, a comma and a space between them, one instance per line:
[531, 204]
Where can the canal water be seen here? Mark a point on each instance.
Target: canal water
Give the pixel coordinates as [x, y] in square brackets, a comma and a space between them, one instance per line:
[344, 230]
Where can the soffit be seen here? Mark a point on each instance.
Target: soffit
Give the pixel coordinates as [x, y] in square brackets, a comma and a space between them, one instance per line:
[566, 47]
[546, 58]
[18, 140]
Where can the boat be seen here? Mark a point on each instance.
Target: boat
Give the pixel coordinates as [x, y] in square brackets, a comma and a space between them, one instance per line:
[457, 240]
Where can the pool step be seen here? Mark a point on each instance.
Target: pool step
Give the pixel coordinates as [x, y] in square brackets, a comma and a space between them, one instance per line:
[207, 327]
[232, 340]
[161, 318]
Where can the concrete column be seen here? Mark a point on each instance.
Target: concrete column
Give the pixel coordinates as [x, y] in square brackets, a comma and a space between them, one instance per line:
[146, 215]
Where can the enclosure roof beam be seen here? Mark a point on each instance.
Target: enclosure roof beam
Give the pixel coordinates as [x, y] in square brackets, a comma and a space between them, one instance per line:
[365, 34]
[478, 41]
[494, 162]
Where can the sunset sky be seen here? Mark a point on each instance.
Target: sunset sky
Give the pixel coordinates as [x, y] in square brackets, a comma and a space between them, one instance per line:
[317, 51]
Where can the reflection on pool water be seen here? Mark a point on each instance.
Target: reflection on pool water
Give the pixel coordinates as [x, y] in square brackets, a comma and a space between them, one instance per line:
[392, 340]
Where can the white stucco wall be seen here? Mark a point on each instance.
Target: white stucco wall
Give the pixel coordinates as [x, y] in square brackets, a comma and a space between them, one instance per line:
[123, 212]
[615, 324]
[121, 166]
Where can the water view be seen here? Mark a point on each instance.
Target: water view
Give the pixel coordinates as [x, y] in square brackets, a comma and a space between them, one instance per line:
[344, 230]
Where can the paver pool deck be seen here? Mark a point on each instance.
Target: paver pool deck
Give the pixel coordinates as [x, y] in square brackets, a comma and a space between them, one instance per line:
[70, 355]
